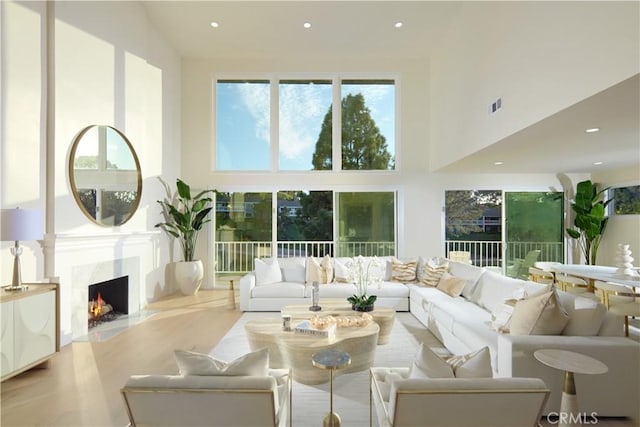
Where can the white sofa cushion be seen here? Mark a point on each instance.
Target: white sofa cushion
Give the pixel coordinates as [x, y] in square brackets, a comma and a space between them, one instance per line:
[319, 271]
[469, 273]
[585, 314]
[279, 290]
[343, 269]
[428, 364]
[267, 271]
[493, 289]
[255, 364]
[293, 269]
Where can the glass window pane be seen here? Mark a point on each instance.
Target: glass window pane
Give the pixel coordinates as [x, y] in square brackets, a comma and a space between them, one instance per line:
[87, 153]
[366, 223]
[305, 124]
[118, 152]
[305, 223]
[473, 225]
[116, 206]
[243, 230]
[368, 124]
[626, 200]
[243, 125]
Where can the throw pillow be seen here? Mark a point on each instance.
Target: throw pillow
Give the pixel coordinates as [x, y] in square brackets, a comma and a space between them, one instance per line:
[253, 364]
[501, 317]
[321, 272]
[267, 271]
[428, 364]
[539, 315]
[585, 316]
[432, 270]
[403, 272]
[342, 270]
[451, 285]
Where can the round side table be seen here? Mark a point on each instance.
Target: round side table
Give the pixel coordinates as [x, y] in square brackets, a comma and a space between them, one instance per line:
[570, 362]
[331, 359]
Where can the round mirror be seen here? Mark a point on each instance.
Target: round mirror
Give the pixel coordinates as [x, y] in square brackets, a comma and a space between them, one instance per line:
[104, 172]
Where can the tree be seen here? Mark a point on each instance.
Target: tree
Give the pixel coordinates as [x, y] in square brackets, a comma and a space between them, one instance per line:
[363, 146]
[465, 208]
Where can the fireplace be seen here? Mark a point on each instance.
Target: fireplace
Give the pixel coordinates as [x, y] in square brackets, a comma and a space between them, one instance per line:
[108, 301]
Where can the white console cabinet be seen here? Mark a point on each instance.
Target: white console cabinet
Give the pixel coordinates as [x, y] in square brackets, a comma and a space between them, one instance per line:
[30, 332]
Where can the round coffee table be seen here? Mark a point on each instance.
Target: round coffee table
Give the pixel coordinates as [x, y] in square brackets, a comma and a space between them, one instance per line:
[570, 362]
[295, 351]
[331, 360]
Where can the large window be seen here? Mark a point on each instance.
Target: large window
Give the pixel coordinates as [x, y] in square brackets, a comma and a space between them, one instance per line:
[305, 134]
[242, 125]
[365, 224]
[626, 200]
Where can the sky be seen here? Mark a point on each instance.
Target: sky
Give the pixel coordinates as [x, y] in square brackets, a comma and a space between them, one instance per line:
[243, 122]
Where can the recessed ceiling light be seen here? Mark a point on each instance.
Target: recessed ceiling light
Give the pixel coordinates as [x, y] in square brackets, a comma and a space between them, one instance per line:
[214, 24]
[597, 163]
[307, 25]
[498, 163]
[398, 24]
[592, 130]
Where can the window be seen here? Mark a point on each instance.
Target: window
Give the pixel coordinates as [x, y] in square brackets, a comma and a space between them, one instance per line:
[626, 200]
[304, 119]
[305, 223]
[243, 125]
[305, 126]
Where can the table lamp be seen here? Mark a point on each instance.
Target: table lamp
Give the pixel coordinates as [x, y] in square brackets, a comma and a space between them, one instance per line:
[15, 225]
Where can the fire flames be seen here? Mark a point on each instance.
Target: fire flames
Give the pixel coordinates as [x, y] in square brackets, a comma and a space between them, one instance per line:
[95, 306]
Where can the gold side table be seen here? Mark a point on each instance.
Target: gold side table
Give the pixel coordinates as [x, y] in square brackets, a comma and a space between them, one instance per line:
[331, 359]
[570, 362]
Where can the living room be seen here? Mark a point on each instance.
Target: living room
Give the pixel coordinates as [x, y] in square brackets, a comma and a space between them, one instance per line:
[68, 65]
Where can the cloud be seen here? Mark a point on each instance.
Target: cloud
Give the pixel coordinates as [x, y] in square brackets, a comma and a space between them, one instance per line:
[255, 98]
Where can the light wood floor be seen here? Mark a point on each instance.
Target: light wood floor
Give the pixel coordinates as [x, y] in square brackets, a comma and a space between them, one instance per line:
[81, 386]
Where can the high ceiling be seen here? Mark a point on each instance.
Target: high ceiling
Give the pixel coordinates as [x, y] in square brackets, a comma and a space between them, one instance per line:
[267, 29]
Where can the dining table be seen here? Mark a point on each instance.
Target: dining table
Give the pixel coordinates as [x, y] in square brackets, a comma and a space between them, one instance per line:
[597, 272]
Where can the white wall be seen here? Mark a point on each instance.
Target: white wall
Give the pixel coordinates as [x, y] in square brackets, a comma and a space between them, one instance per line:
[540, 57]
[111, 68]
[421, 192]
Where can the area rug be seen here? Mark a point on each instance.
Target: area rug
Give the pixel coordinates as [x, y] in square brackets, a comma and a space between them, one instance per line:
[350, 391]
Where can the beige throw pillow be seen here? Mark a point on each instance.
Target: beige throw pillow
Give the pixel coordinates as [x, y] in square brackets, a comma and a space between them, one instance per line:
[451, 285]
[539, 315]
[321, 272]
[432, 271]
[254, 364]
[404, 272]
[428, 364]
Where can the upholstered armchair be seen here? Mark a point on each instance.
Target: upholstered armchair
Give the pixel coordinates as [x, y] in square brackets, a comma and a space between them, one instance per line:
[195, 400]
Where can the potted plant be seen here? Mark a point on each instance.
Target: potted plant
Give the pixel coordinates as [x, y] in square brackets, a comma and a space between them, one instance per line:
[361, 278]
[590, 220]
[184, 217]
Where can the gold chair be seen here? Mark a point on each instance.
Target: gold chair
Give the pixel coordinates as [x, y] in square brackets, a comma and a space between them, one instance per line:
[540, 276]
[460, 256]
[619, 299]
[574, 285]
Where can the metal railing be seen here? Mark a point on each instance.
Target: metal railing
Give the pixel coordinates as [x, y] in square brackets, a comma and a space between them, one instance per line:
[237, 257]
[489, 253]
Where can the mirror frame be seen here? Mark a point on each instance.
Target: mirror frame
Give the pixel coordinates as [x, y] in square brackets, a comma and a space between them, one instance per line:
[72, 181]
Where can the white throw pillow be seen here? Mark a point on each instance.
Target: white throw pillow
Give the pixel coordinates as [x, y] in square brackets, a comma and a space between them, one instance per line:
[267, 271]
[428, 364]
[342, 270]
[585, 316]
[252, 364]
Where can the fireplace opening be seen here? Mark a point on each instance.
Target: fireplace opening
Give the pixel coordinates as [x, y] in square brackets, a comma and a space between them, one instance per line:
[108, 301]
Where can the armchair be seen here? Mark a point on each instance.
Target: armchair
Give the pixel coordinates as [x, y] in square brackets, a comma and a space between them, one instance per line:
[194, 400]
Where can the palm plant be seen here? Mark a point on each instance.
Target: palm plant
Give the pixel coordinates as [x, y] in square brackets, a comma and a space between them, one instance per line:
[590, 221]
[184, 215]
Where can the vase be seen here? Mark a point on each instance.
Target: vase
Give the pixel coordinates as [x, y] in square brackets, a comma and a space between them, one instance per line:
[362, 308]
[189, 275]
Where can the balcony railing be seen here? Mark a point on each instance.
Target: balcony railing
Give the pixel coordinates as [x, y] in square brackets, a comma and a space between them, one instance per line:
[237, 257]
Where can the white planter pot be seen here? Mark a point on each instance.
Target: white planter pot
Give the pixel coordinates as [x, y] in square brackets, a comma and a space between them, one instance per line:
[189, 275]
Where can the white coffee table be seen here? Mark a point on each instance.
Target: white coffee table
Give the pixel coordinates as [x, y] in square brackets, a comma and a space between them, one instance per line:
[570, 362]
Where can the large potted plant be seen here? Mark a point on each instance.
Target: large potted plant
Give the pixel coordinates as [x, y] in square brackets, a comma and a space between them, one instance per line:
[590, 220]
[184, 217]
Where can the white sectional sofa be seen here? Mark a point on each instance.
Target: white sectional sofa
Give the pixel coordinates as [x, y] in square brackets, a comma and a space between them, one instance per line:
[464, 324]
[294, 289]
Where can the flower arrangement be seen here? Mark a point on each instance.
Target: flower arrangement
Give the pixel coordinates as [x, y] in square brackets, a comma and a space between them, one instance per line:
[361, 277]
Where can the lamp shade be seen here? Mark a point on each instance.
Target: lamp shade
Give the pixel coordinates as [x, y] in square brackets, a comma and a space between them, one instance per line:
[21, 224]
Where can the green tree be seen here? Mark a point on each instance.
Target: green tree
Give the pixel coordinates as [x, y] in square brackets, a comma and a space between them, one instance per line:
[363, 146]
[464, 208]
